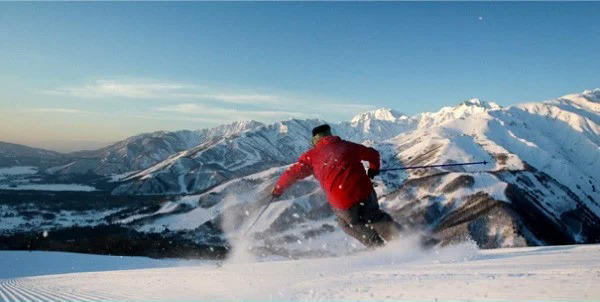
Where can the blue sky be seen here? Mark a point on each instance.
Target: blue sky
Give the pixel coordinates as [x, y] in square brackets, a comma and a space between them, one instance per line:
[79, 74]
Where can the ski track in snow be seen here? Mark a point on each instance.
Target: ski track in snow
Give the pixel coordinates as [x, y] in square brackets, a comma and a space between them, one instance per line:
[394, 273]
[23, 290]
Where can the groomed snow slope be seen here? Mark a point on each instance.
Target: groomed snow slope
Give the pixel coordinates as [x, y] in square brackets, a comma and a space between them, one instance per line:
[395, 273]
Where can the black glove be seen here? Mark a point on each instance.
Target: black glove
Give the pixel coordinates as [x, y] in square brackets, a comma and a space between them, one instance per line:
[372, 173]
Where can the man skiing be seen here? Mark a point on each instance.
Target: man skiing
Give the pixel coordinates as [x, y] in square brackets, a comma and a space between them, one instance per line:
[337, 165]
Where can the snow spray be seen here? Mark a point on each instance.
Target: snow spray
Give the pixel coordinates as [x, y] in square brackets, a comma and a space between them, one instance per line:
[233, 227]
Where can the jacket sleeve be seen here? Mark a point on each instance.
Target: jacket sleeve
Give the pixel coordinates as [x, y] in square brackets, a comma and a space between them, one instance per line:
[369, 154]
[297, 171]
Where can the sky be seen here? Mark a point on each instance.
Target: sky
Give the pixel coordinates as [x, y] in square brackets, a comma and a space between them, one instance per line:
[84, 74]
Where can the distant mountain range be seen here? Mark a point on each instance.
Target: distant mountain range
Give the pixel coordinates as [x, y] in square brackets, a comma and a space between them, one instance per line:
[19, 155]
[541, 186]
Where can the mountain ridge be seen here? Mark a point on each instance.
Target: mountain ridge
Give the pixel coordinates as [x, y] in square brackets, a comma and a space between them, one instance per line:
[540, 185]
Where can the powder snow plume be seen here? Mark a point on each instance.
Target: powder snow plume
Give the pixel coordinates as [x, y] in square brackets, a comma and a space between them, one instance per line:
[236, 225]
[408, 249]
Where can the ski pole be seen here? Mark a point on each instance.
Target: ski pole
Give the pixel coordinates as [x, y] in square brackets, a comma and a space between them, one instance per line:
[258, 216]
[435, 166]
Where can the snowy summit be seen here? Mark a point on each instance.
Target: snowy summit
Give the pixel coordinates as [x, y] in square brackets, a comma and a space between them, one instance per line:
[382, 114]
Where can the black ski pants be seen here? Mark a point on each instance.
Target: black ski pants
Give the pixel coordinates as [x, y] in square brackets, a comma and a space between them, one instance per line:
[366, 222]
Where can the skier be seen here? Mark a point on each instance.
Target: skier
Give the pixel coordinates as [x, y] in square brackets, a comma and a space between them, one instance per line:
[337, 165]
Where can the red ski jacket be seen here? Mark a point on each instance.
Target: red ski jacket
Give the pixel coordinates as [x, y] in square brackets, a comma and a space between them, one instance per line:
[336, 163]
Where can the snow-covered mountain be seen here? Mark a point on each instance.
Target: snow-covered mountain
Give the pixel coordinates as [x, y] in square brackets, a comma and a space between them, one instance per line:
[540, 185]
[244, 153]
[144, 150]
[222, 158]
[376, 125]
[461, 111]
[20, 155]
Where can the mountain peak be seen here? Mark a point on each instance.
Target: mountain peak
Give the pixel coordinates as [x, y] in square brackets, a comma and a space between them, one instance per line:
[462, 110]
[239, 124]
[592, 95]
[476, 102]
[381, 114]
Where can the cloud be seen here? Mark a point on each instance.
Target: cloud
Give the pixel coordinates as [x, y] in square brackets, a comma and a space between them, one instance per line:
[144, 89]
[244, 98]
[226, 114]
[163, 117]
[108, 88]
[189, 101]
[340, 108]
[60, 110]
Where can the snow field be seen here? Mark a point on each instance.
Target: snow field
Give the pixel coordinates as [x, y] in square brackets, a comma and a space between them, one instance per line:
[397, 272]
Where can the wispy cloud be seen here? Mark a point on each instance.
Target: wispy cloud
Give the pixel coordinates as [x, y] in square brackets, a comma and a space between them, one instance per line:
[108, 88]
[341, 108]
[60, 110]
[145, 89]
[244, 98]
[170, 100]
[226, 114]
